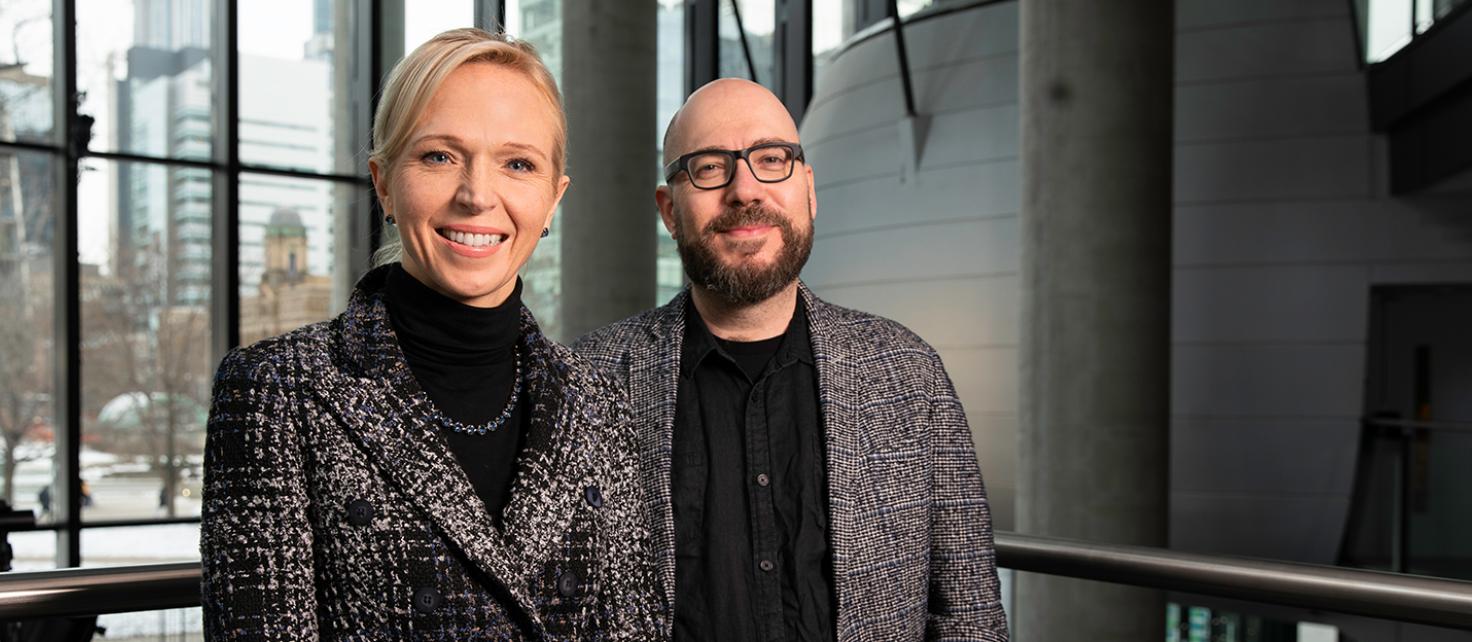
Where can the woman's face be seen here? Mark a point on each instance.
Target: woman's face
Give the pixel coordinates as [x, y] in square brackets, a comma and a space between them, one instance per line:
[475, 185]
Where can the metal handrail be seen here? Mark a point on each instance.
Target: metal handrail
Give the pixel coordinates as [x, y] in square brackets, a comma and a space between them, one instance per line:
[1406, 598]
[1393, 596]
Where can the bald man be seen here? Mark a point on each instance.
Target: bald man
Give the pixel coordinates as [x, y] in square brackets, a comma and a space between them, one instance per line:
[809, 468]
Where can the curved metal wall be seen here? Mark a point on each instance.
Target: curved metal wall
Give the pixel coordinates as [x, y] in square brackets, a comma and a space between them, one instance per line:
[1282, 224]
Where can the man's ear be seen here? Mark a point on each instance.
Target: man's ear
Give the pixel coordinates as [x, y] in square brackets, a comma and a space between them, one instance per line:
[666, 203]
[380, 187]
[812, 193]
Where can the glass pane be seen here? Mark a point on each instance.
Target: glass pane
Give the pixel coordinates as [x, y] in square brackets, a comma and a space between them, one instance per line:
[144, 70]
[669, 276]
[290, 114]
[34, 550]
[828, 32]
[540, 23]
[27, 443]
[757, 19]
[290, 229]
[144, 245]
[132, 545]
[25, 70]
[154, 626]
[908, 8]
[1388, 28]
[422, 20]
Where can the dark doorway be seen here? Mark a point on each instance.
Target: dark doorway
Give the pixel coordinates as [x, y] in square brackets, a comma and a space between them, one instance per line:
[1412, 508]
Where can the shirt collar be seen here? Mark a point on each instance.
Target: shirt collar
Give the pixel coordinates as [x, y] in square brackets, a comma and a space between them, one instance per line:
[699, 343]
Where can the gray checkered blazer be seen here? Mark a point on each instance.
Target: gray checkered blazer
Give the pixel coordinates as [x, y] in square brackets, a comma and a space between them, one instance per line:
[334, 510]
[912, 537]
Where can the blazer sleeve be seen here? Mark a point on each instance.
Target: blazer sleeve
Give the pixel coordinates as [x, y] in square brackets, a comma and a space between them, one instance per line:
[638, 609]
[965, 596]
[255, 535]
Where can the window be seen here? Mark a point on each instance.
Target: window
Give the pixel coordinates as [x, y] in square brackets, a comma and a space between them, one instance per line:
[152, 197]
[747, 27]
[27, 429]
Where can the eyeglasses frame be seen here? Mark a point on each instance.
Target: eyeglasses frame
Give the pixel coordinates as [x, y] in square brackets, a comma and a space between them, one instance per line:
[682, 164]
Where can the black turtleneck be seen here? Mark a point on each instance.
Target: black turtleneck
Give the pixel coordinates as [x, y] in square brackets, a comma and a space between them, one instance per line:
[462, 356]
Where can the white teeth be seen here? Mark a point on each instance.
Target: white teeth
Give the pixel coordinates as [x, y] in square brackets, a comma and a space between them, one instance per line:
[474, 240]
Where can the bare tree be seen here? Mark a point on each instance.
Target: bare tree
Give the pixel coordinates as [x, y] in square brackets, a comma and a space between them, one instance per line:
[156, 351]
[25, 381]
[25, 307]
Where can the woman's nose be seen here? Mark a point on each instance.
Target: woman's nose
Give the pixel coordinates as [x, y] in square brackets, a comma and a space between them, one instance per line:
[477, 191]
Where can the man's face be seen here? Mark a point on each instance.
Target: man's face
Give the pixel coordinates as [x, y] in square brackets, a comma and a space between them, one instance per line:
[748, 240]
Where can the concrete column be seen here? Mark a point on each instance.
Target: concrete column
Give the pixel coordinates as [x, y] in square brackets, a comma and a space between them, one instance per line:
[609, 222]
[1096, 90]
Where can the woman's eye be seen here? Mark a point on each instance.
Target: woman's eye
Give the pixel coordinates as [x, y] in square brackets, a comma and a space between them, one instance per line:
[436, 158]
[521, 165]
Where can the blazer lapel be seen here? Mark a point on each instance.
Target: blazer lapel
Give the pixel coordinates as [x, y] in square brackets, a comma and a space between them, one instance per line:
[654, 381]
[385, 411]
[849, 491]
[549, 482]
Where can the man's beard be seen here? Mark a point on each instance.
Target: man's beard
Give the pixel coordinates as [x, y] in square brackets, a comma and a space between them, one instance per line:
[743, 283]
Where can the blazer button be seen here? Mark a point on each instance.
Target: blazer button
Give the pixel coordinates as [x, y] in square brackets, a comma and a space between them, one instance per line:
[360, 512]
[594, 496]
[567, 584]
[426, 600]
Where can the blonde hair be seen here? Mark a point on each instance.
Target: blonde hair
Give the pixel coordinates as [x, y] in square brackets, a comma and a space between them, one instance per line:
[414, 81]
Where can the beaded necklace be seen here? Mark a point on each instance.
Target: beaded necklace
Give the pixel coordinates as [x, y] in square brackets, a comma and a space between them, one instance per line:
[495, 423]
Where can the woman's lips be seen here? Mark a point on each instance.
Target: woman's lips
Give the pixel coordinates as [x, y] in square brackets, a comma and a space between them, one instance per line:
[470, 243]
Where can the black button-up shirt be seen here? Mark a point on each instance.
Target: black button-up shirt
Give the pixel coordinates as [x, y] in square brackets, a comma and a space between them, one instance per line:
[750, 496]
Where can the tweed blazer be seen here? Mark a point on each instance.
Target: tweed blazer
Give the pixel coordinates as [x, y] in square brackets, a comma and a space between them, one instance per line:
[334, 510]
[911, 529]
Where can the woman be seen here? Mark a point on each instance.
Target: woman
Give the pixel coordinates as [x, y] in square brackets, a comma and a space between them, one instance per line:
[427, 465]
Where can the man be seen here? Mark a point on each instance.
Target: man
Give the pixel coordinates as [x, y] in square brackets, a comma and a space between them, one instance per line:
[810, 471]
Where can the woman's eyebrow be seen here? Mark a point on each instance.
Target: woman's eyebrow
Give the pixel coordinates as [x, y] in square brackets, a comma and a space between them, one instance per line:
[447, 138]
[526, 148]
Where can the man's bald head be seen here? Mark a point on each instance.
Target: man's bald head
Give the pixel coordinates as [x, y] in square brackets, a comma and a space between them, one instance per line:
[727, 113]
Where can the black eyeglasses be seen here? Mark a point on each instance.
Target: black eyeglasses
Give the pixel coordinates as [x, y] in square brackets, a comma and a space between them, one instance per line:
[715, 168]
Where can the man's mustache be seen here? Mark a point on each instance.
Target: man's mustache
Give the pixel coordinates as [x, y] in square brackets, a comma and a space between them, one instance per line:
[748, 216]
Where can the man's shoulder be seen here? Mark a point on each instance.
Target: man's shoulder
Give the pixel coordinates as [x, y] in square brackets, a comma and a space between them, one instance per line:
[614, 339]
[857, 333]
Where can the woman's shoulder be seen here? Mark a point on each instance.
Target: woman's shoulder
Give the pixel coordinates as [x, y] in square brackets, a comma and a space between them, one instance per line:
[280, 361]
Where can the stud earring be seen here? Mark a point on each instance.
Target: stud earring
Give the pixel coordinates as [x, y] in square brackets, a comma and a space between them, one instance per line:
[546, 231]
[388, 218]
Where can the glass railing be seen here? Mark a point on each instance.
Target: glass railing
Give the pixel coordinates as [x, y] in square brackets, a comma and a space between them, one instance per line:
[1437, 602]
[1387, 26]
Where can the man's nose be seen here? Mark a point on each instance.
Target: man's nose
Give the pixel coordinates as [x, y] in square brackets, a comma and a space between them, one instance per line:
[744, 187]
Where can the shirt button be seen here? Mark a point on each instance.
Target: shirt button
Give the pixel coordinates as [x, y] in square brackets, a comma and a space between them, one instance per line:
[426, 599]
[567, 584]
[766, 565]
[763, 480]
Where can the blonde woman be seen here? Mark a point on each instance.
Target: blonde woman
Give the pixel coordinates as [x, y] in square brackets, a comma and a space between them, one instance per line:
[427, 465]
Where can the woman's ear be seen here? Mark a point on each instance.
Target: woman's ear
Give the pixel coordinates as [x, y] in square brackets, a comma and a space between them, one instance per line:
[380, 187]
[562, 185]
